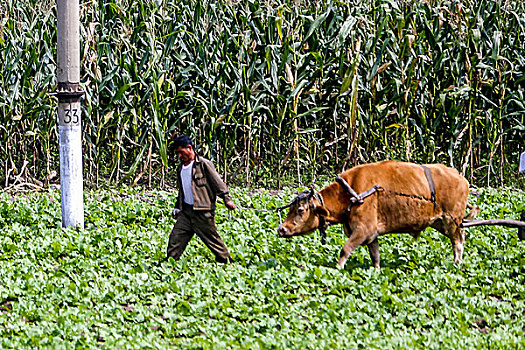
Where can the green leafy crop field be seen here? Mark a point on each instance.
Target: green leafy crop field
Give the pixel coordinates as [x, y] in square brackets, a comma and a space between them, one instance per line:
[102, 287]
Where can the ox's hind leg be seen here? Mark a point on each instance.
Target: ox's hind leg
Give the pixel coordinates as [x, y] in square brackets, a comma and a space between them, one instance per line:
[458, 244]
[450, 228]
[373, 249]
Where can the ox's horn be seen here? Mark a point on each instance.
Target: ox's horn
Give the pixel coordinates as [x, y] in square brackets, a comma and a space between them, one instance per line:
[306, 194]
[284, 206]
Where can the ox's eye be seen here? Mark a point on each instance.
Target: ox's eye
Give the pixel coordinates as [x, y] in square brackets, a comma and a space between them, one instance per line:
[300, 211]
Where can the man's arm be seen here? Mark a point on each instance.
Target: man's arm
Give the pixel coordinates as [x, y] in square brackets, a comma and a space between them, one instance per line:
[218, 185]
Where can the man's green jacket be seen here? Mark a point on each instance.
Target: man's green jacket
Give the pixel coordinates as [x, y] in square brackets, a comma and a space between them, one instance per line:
[207, 185]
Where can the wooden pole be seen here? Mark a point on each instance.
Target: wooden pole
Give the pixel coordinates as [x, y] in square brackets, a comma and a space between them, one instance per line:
[499, 222]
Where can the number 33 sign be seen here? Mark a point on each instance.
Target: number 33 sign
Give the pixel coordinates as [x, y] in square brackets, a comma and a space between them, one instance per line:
[69, 114]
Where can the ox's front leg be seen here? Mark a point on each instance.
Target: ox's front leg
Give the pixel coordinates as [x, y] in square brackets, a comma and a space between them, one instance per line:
[347, 229]
[357, 238]
[373, 249]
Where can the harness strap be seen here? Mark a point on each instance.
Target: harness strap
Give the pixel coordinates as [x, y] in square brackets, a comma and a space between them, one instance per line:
[370, 191]
[431, 184]
[356, 198]
[322, 229]
[322, 220]
[319, 198]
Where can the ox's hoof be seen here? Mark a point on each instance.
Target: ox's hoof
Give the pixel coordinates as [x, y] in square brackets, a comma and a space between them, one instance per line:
[339, 267]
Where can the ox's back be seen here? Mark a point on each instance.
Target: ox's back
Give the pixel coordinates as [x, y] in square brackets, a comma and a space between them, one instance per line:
[410, 178]
[404, 202]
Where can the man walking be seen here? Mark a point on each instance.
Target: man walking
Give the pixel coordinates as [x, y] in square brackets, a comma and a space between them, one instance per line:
[199, 185]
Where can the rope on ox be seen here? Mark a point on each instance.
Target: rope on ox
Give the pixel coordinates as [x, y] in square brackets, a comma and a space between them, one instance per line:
[278, 210]
[358, 198]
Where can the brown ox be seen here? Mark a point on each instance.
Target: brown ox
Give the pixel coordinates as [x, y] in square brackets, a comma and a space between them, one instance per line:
[406, 200]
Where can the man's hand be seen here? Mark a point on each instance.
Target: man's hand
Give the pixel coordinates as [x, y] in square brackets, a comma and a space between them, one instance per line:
[175, 213]
[230, 205]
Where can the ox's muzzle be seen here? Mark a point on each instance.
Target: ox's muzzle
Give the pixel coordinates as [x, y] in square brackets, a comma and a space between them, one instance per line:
[284, 232]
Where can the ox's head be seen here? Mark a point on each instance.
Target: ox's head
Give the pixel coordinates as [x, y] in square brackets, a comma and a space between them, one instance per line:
[304, 215]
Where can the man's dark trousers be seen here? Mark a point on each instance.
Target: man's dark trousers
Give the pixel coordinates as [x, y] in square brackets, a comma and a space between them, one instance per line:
[202, 223]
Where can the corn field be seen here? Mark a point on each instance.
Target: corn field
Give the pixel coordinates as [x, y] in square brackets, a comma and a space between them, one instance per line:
[272, 91]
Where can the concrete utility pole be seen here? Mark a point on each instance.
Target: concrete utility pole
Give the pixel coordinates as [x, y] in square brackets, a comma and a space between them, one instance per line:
[69, 112]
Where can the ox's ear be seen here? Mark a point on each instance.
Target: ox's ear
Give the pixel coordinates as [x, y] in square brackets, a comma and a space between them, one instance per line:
[320, 210]
[312, 191]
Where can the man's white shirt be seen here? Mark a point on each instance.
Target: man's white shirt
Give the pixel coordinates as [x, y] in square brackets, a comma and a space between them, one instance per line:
[186, 175]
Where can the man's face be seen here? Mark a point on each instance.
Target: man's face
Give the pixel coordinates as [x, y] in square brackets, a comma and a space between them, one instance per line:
[185, 154]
